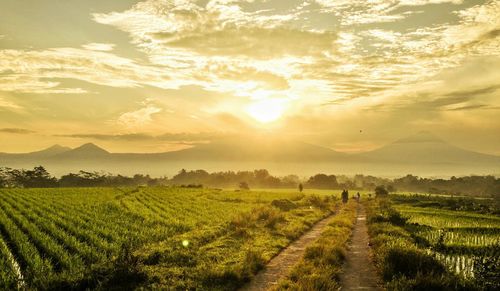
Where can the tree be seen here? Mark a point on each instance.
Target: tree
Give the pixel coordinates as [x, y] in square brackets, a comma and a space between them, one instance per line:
[391, 189]
[5, 177]
[244, 186]
[39, 177]
[380, 191]
[322, 181]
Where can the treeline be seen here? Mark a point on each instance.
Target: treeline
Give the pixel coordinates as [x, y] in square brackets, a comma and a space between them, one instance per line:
[39, 177]
[484, 186]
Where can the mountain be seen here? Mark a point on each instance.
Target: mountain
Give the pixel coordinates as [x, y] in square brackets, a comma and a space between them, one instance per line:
[425, 148]
[51, 151]
[258, 149]
[88, 150]
[48, 152]
[420, 154]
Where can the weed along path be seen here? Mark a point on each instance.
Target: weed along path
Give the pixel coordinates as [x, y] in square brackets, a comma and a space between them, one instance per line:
[281, 264]
[359, 272]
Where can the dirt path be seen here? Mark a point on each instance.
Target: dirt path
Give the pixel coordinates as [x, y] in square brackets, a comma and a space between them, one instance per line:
[280, 265]
[359, 272]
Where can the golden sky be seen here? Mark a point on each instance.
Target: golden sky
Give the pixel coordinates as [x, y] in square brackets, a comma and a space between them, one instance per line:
[155, 75]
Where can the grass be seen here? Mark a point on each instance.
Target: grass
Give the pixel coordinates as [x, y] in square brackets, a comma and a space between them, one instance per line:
[427, 248]
[153, 238]
[321, 265]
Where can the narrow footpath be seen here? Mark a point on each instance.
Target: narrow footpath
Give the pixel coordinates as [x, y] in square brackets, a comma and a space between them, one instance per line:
[359, 272]
[280, 265]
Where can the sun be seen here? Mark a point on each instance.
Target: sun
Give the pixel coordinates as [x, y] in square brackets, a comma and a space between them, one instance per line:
[267, 110]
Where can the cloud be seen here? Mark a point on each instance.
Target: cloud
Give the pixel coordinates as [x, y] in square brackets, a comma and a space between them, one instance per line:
[32, 71]
[364, 55]
[16, 130]
[171, 137]
[215, 45]
[104, 47]
[5, 104]
[138, 118]
[361, 12]
[31, 84]
[473, 93]
[472, 107]
[228, 47]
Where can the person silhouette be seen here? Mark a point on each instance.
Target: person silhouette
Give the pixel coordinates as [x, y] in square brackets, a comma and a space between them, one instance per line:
[345, 196]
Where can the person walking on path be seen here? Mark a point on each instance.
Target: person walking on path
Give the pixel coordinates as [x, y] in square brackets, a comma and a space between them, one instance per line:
[345, 196]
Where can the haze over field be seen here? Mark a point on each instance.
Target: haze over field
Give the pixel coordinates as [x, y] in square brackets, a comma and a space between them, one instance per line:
[422, 154]
[297, 86]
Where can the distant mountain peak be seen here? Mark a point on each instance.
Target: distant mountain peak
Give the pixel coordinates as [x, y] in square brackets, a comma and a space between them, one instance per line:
[421, 137]
[57, 147]
[90, 148]
[53, 150]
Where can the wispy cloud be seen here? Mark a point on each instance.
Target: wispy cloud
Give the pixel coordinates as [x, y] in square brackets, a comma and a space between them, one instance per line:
[224, 46]
[5, 104]
[171, 137]
[16, 130]
[104, 47]
[141, 117]
[33, 71]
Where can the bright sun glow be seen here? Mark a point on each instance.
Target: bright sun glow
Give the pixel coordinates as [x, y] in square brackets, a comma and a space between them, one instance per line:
[267, 110]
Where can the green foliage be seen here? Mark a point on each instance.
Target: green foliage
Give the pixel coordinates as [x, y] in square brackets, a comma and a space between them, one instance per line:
[479, 205]
[322, 181]
[380, 191]
[252, 263]
[407, 262]
[324, 202]
[487, 271]
[284, 204]
[427, 248]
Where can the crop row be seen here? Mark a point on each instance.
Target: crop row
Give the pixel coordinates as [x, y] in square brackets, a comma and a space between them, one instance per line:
[459, 240]
[58, 237]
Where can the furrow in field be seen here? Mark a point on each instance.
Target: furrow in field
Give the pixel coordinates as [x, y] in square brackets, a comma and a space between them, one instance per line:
[68, 240]
[80, 229]
[45, 244]
[36, 269]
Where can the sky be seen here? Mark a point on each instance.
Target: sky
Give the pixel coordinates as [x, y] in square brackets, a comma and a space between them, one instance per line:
[160, 75]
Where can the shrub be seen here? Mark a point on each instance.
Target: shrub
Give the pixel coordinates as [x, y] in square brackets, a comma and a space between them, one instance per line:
[380, 191]
[284, 204]
[244, 186]
[270, 216]
[252, 263]
[409, 262]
